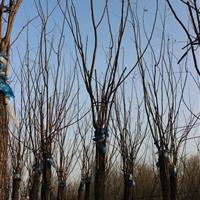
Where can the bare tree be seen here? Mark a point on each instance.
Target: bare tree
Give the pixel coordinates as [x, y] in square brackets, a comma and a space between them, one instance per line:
[8, 10]
[163, 96]
[50, 103]
[17, 145]
[87, 159]
[130, 135]
[67, 146]
[102, 94]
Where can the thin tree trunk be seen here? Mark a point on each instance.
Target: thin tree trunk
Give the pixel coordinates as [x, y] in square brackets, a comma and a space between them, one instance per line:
[164, 177]
[87, 189]
[128, 188]
[34, 192]
[15, 189]
[173, 183]
[46, 179]
[100, 178]
[3, 145]
[81, 190]
[62, 190]
[100, 167]
[80, 195]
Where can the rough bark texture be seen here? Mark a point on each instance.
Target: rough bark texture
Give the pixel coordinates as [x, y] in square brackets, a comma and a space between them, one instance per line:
[15, 189]
[3, 146]
[34, 192]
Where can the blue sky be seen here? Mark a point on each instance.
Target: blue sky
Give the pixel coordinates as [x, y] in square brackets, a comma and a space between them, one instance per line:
[173, 31]
[28, 11]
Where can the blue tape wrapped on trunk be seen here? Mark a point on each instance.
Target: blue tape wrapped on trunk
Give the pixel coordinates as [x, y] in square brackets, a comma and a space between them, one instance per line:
[4, 86]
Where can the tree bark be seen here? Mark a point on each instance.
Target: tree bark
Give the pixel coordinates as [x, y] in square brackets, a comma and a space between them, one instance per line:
[164, 176]
[34, 192]
[100, 168]
[87, 189]
[3, 145]
[100, 179]
[128, 188]
[15, 189]
[81, 190]
[62, 191]
[80, 195]
[173, 183]
[46, 179]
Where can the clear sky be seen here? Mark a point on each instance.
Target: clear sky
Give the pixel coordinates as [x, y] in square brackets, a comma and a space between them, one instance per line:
[173, 31]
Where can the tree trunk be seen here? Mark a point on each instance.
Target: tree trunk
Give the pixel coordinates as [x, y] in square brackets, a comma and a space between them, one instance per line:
[34, 192]
[62, 190]
[81, 190]
[87, 189]
[128, 188]
[80, 195]
[3, 145]
[46, 179]
[100, 167]
[164, 176]
[173, 183]
[16, 187]
[100, 179]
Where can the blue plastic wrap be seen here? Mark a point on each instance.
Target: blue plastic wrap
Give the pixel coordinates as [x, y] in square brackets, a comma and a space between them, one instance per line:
[38, 166]
[131, 182]
[102, 149]
[4, 86]
[174, 174]
[63, 185]
[6, 89]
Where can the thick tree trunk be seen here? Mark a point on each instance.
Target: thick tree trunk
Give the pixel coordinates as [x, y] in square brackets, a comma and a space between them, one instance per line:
[3, 145]
[16, 188]
[46, 179]
[35, 188]
[164, 176]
